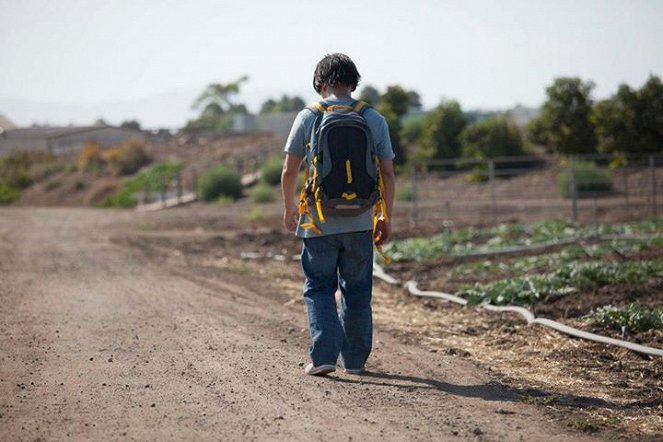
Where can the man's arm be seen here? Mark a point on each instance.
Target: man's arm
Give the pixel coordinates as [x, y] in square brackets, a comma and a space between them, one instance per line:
[383, 229]
[288, 187]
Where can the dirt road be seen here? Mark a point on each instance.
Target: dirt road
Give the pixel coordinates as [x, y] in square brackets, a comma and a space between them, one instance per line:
[101, 342]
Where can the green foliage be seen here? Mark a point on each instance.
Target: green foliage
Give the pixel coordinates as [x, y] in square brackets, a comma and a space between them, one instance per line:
[566, 279]
[495, 137]
[405, 193]
[17, 168]
[564, 125]
[8, 194]
[271, 171]
[218, 107]
[394, 123]
[284, 104]
[631, 121]
[442, 129]
[471, 240]
[589, 179]
[633, 318]
[219, 181]
[262, 194]
[130, 124]
[370, 95]
[154, 179]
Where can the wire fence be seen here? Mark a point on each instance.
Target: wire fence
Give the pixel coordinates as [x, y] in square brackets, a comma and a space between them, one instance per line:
[584, 188]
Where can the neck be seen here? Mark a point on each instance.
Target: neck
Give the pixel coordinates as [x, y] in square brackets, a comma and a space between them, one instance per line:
[336, 91]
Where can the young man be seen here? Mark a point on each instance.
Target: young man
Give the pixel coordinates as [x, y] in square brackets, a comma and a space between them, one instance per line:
[341, 252]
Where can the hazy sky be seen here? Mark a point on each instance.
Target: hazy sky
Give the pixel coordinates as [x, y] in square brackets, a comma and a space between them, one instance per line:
[71, 60]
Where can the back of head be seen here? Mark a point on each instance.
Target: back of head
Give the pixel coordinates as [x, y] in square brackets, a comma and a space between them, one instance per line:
[335, 69]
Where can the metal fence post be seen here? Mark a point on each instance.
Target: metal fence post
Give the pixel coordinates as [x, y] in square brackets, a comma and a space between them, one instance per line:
[574, 190]
[652, 168]
[626, 187]
[194, 182]
[491, 181]
[178, 177]
[415, 196]
[163, 191]
[146, 192]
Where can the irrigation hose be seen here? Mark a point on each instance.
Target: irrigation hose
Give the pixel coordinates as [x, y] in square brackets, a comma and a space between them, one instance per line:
[411, 287]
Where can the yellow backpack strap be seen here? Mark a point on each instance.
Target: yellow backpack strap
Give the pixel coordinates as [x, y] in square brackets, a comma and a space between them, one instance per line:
[359, 106]
[317, 107]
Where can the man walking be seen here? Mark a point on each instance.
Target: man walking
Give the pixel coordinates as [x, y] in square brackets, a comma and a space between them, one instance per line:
[338, 248]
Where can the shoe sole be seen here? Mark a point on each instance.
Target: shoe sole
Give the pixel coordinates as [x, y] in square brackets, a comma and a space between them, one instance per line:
[354, 370]
[321, 370]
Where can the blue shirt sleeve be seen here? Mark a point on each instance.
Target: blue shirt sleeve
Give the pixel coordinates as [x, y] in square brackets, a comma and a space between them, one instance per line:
[380, 131]
[296, 142]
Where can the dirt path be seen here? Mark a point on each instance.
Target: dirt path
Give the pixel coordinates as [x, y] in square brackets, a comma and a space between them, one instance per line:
[100, 342]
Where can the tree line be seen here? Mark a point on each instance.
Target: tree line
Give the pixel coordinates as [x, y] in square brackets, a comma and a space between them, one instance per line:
[570, 122]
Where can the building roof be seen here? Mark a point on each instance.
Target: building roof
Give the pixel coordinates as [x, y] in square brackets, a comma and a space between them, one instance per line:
[52, 132]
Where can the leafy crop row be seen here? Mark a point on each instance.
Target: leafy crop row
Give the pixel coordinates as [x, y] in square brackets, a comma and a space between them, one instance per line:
[568, 278]
[633, 318]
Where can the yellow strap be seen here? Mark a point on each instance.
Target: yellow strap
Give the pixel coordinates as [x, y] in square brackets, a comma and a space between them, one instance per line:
[318, 206]
[319, 106]
[332, 108]
[349, 196]
[359, 106]
[311, 226]
[348, 171]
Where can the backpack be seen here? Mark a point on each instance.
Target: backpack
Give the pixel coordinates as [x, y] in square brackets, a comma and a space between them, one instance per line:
[343, 177]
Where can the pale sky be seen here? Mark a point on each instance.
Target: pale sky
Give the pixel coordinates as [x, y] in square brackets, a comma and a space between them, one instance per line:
[67, 61]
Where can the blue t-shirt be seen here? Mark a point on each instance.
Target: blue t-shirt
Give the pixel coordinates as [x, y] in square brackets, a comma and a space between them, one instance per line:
[296, 145]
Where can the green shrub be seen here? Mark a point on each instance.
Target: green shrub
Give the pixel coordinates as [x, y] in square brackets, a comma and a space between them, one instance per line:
[405, 193]
[262, 194]
[589, 179]
[271, 171]
[220, 181]
[154, 178]
[634, 318]
[8, 194]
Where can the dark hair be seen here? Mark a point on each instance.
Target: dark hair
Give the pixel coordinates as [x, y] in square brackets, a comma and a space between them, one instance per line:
[335, 68]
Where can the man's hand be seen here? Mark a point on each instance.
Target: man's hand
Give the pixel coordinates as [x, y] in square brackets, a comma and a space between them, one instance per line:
[291, 219]
[382, 232]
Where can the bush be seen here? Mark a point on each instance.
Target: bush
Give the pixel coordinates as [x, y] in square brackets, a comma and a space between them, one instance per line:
[91, 158]
[404, 193]
[271, 171]
[154, 178]
[262, 194]
[17, 167]
[589, 178]
[126, 158]
[8, 194]
[220, 181]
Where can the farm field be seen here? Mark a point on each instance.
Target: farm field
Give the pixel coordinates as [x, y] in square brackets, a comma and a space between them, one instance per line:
[198, 311]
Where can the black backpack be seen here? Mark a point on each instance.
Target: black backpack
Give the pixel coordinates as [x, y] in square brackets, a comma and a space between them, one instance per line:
[343, 177]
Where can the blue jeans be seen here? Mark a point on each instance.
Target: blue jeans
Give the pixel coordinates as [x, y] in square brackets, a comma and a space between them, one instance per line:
[345, 260]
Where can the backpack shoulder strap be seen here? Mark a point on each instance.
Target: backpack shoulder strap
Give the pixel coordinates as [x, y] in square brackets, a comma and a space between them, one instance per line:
[360, 107]
[319, 107]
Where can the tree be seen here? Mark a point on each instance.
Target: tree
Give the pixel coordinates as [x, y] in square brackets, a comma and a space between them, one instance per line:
[564, 124]
[631, 120]
[370, 95]
[442, 129]
[285, 104]
[130, 124]
[218, 106]
[492, 138]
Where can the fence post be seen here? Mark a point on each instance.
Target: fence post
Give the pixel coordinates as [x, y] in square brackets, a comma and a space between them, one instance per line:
[146, 192]
[491, 181]
[163, 191]
[194, 182]
[652, 168]
[178, 177]
[574, 190]
[415, 196]
[626, 187]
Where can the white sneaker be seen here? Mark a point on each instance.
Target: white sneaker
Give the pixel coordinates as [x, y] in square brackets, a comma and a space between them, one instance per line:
[320, 370]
